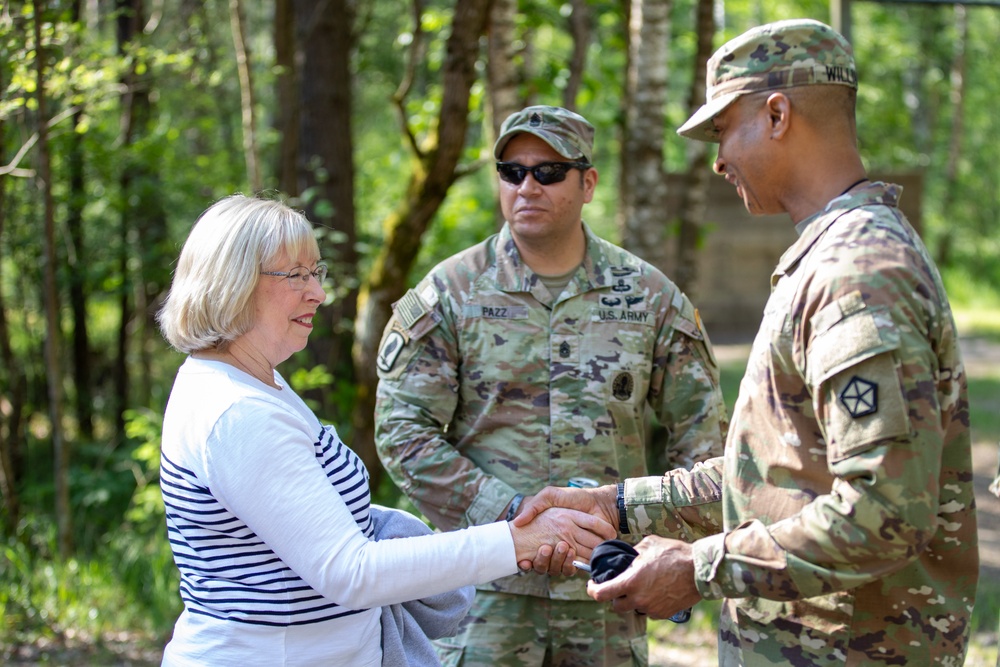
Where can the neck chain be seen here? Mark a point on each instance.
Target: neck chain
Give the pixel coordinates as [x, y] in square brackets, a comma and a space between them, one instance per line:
[852, 186]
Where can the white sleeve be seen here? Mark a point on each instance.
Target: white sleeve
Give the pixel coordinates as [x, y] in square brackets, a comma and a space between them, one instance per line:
[262, 467]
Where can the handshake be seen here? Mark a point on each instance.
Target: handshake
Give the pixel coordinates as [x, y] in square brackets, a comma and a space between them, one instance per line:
[561, 524]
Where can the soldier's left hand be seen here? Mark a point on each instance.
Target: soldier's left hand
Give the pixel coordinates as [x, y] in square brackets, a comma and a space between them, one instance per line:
[659, 582]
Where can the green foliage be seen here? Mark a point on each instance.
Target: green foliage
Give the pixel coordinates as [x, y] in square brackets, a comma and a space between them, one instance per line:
[975, 300]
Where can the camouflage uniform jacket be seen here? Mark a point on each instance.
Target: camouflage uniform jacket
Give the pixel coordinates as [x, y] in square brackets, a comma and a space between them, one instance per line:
[486, 392]
[847, 506]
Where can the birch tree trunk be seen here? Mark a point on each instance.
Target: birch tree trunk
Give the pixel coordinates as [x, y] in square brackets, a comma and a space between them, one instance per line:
[643, 218]
[501, 77]
[691, 214]
[247, 97]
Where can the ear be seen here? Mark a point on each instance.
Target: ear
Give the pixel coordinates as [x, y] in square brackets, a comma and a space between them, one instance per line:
[589, 184]
[779, 114]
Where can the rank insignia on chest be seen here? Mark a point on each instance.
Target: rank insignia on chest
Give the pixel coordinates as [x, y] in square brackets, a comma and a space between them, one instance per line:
[860, 397]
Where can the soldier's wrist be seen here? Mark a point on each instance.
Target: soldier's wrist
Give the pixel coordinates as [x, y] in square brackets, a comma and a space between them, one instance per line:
[622, 514]
[514, 506]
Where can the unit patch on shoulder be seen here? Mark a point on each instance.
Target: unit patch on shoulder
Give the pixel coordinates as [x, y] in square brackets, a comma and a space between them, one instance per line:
[860, 397]
[389, 351]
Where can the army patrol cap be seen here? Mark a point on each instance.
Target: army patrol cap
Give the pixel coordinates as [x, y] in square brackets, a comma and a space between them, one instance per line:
[785, 54]
[569, 134]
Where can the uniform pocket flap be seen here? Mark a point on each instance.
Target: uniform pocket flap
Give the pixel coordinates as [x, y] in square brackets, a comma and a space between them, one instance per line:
[860, 334]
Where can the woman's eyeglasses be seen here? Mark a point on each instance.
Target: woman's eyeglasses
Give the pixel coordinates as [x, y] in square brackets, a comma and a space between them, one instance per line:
[545, 173]
[298, 277]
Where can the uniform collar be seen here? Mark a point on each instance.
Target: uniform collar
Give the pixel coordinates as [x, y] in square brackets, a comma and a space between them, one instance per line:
[513, 275]
[814, 227]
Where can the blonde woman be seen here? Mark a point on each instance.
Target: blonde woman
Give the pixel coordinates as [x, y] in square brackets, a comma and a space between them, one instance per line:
[268, 511]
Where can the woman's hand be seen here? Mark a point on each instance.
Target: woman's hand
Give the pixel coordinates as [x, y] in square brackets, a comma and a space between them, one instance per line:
[558, 535]
[599, 502]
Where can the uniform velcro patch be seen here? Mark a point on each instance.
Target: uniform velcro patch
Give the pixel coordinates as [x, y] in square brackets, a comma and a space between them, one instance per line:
[410, 308]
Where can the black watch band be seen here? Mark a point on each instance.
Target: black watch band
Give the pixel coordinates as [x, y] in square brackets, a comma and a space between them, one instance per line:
[622, 516]
[515, 505]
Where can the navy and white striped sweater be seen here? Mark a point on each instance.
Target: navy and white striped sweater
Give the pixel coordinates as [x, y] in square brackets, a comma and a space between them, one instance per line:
[268, 514]
[227, 572]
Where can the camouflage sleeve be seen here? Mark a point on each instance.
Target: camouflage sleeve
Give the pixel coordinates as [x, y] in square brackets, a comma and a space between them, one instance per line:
[682, 504]
[884, 505]
[685, 391]
[415, 402]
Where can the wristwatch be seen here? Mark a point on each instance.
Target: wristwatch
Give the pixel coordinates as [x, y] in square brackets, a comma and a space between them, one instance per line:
[622, 516]
[515, 505]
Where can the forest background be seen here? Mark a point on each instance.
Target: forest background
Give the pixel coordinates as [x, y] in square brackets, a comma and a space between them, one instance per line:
[122, 120]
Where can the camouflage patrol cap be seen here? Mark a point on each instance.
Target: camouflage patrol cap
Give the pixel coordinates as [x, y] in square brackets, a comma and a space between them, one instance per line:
[785, 54]
[569, 134]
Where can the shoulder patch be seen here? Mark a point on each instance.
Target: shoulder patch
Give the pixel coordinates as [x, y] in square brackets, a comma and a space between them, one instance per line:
[860, 397]
[410, 309]
[389, 351]
[864, 405]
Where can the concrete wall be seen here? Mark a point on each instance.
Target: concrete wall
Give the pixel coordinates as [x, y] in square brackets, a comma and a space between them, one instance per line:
[740, 251]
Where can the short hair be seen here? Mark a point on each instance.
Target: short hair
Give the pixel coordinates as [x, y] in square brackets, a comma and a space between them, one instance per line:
[826, 105]
[210, 303]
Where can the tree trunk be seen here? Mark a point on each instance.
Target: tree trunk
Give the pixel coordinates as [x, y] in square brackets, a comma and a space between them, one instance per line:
[287, 113]
[325, 172]
[53, 334]
[500, 71]
[145, 242]
[644, 184]
[84, 403]
[958, 67]
[247, 97]
[120, 375]
[695, 194]
[12, 386]
[501, 77]
[579, 29]
[434, 172]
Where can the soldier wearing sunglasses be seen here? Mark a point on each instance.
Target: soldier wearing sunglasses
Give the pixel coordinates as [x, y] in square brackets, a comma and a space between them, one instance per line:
[530, 359]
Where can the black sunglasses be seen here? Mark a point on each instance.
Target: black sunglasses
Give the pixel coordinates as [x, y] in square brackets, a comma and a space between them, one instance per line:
[545, 173]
